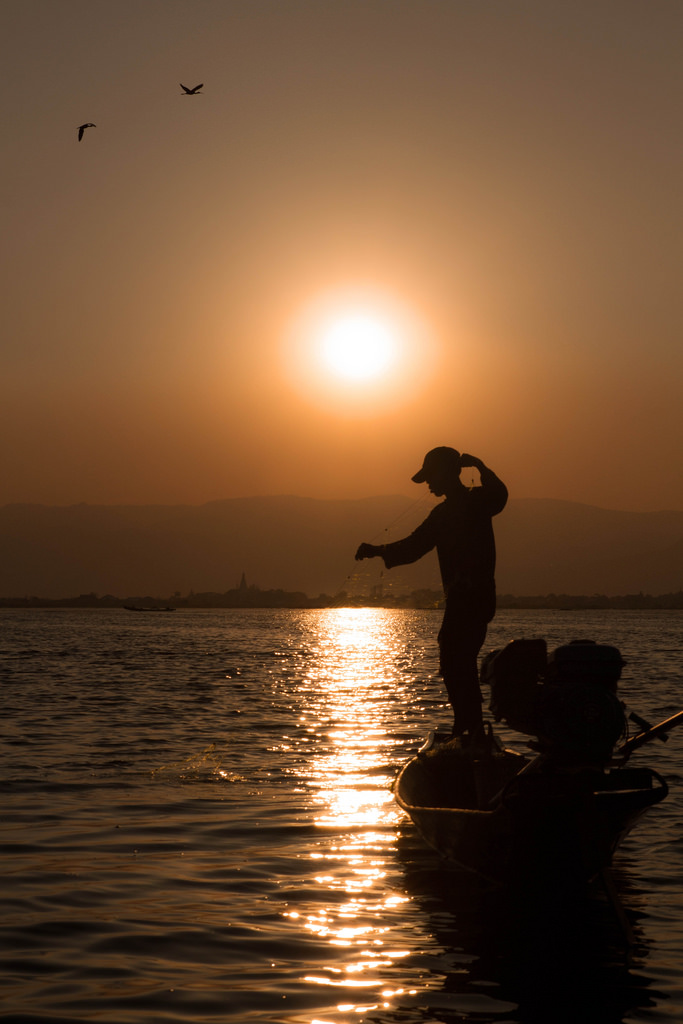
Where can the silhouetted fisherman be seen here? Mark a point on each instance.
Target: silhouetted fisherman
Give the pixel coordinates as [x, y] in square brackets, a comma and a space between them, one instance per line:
[192, 92]
[461, 530]
[82, 127]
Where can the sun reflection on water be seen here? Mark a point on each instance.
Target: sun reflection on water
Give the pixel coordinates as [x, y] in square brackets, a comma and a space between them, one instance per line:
[354, 693]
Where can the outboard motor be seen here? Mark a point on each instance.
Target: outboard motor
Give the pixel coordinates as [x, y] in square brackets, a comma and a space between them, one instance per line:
[567, 700]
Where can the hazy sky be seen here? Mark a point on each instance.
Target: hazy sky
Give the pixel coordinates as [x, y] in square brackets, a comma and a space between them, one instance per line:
[489, 188]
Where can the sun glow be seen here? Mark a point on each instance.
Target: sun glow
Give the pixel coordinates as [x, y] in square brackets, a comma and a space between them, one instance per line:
[358, 346]
[357, 350]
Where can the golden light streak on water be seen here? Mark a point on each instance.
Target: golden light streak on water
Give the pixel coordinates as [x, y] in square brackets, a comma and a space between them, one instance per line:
[354, 689]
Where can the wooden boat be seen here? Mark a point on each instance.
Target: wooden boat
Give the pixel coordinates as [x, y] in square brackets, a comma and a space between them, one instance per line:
[560, 812]
[512, 818]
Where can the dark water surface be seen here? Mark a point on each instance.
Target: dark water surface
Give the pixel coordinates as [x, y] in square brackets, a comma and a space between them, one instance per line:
[197, 826]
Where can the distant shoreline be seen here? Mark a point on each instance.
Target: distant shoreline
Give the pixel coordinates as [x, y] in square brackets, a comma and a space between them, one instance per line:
[253, 597]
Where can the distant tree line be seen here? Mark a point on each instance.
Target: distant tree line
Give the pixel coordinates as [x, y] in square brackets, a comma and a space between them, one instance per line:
[576, 602]
[249, 597]
[254, 597]
[573, 602]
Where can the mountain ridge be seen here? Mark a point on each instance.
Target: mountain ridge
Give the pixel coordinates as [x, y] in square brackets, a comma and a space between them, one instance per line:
[298, 543]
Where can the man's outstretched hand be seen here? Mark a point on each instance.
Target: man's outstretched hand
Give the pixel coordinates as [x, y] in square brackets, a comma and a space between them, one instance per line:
[367, 551]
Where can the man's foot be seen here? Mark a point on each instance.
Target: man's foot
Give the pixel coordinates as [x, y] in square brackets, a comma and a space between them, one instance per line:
[478, 737]
[472, 737]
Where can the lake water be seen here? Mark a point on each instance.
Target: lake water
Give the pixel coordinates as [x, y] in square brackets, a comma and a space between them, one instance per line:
[197, 826]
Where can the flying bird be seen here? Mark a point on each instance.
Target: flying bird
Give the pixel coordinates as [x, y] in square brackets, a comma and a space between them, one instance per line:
[82, 127]
[192, 92]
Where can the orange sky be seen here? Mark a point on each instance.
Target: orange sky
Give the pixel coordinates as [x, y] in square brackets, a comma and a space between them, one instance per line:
[498, 180]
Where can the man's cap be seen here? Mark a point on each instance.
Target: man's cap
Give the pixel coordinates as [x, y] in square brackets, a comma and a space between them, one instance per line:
[437, 459]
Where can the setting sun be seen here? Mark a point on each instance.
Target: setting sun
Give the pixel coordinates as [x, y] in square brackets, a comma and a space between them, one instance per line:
[356, 350]
[358, 346]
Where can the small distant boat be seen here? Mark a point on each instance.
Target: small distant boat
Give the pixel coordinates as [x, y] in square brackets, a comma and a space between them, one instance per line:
[148, 608]
[554, 817]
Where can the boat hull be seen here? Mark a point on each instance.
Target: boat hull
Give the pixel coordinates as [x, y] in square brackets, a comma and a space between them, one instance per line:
[510, 819]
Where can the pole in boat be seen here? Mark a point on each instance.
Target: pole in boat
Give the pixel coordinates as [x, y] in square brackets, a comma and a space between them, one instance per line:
[653, 732]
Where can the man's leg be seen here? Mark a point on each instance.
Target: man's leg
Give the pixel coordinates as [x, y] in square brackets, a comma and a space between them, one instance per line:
[460, 640]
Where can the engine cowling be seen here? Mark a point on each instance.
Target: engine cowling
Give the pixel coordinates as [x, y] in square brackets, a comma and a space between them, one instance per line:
[567, 700]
